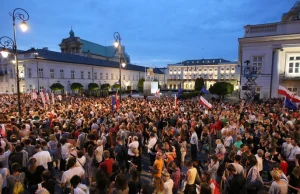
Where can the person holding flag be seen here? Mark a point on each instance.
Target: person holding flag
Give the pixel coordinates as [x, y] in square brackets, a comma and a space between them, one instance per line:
[204, 91]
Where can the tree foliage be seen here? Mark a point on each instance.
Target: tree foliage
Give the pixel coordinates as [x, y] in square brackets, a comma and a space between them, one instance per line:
[56, 87]
[93, 86]
[76, 86]
[116, 86]
[199, 83]
[105, 86]
[221, 89]
[140, 84]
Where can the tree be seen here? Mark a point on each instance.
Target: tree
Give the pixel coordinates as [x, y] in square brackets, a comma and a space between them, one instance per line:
[116, 86]
[93, 86]
[76, 86]
[140, 85]
[105, 86]
[199, 83]
[221, 89]
[56, 87]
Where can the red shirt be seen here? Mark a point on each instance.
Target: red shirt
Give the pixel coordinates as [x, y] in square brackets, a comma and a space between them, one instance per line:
[284, 167]
[108, 165]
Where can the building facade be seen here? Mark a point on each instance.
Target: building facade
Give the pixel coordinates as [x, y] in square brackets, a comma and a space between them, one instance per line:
[274, 50]
[211, 70]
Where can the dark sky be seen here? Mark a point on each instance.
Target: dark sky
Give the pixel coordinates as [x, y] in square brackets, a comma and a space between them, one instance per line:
[154, 32]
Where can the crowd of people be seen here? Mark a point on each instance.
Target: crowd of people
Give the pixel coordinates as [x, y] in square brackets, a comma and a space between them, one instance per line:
[87, 145]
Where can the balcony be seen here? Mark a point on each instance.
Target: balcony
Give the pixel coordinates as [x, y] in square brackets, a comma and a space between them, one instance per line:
[272, 29]
[2, 73]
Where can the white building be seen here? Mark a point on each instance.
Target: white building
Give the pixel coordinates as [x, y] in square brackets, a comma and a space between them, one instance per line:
[211, 70]
[40, 68]
[274, 49]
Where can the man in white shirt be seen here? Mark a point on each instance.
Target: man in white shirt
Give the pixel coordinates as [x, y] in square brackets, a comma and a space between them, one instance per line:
[168, 182]
[291, 159]
[42, 157]
[287, 147]
[151, 146]
[73, 170]
[133, 145]
[259, 155]
[194, 144]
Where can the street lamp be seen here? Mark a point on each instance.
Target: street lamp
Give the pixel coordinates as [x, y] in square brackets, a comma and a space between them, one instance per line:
[122, 59]
[7, 42]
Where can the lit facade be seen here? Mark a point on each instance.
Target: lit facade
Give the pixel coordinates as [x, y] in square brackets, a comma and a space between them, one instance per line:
[211, 70]
[274, 49]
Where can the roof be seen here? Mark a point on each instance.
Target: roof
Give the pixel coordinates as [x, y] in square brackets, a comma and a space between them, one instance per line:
[203, 62]
[97, 49]
[71, 58]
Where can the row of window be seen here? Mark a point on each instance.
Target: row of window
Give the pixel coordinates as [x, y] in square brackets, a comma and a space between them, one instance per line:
[200, 69]
[204, 76]
[62, 75]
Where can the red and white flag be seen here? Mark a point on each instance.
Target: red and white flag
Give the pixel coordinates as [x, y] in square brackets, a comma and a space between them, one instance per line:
[47, 98]
[295, 99]
[53, 99]
[285, 92]
[43, 97]
[205, 103]
[157, 92]
[59, 97]
[117, 101]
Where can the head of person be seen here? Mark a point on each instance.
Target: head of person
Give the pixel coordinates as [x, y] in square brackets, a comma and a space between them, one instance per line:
[205, 176]
[106, 154]
[53, 138]
[119, 140]
[121, 183]
[18, 148]
[296, 171]
[205, 188]
[16, 167]
[251, 161]
[288, 139]
[214, 159]
[134, 175]
[231, 169]
[165, 175]
[75, 181]
[158, 155]
[237, 158]
[218, 141]
[115, 167]
[80, 153]
[275, 175]
[46, 175]
[260, 152]
[71, 162]
[276, 166]
[99, 142]
[63, 140]
[27, 141]
[189, 164]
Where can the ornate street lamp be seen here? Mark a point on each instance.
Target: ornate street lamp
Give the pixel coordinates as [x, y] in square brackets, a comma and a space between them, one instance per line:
[122, 59]
[7, 42]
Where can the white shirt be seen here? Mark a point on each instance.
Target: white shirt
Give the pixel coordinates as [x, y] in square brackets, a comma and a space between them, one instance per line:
[259, 163]
[81, 189]
[131, 146]
[194, 139]
[80, 162]
[65, 151]
[294, 152]
[67, 175]
[42, 158]
[168, 185]
[99, 153]
[287, 148]
[228, 141]
[151, 144]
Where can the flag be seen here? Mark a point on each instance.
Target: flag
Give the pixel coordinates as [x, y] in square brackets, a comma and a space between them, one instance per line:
[53, 99]
[59, 97]
[283, 91]
[47, 98]
[157, 92]
[113, 103]
[295, 99]
[205, 103]
[117, 101]
[290, 105]
[203, 90]
[179, 91]
[34, 95]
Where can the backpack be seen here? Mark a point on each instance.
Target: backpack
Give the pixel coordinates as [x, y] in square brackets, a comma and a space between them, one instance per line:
[18, 186]
[217, 187]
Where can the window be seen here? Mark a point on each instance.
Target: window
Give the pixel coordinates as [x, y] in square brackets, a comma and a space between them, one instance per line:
[81, 75]
[12, 88]
[101, 76]
[257, 63]
[133, 77]
[89, 75]
[294, 64]
[51, 73]
[137, 77]
[128, 77]
[227, 68]
[29, 72]
[293, 90]
[106, 75]
[178, 77]
[232, 69]
[11, 73]
[41, 73]
[95, 75]
[112, 76]
[123, 77]
[62, 74]
[72, 74]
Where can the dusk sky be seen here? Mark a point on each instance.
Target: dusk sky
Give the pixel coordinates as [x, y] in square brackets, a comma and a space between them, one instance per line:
[154, 32]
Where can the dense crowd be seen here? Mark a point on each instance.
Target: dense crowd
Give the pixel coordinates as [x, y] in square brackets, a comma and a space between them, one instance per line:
[87, 145]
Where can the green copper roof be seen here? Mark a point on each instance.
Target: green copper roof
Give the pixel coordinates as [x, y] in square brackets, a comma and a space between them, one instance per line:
[97, 49]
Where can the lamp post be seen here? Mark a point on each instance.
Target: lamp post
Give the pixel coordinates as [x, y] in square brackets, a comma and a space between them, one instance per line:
[5, 41]
[122, 60]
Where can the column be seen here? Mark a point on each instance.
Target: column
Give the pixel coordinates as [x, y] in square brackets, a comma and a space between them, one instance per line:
[275, 74]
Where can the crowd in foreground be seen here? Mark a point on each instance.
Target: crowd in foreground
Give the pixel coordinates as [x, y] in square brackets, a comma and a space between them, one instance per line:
[249, 148]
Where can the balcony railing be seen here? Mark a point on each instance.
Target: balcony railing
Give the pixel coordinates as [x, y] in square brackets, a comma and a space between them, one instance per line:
[272, 29]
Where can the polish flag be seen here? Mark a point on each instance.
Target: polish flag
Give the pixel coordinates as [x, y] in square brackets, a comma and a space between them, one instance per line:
[205, 103]
[117, 101]
[295, 99]
[157, 92]
[283, 91]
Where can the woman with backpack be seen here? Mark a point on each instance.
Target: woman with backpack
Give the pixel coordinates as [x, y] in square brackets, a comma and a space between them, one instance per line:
[15, 181]
[214, 186]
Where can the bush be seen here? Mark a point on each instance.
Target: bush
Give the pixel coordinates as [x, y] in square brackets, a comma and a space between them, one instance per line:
[105, 86]
[199, 83]
[140, 85]
[76, 86]
[116, 86]
[187, 95]
[56, 87]
[221, 89]
[93, 86]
